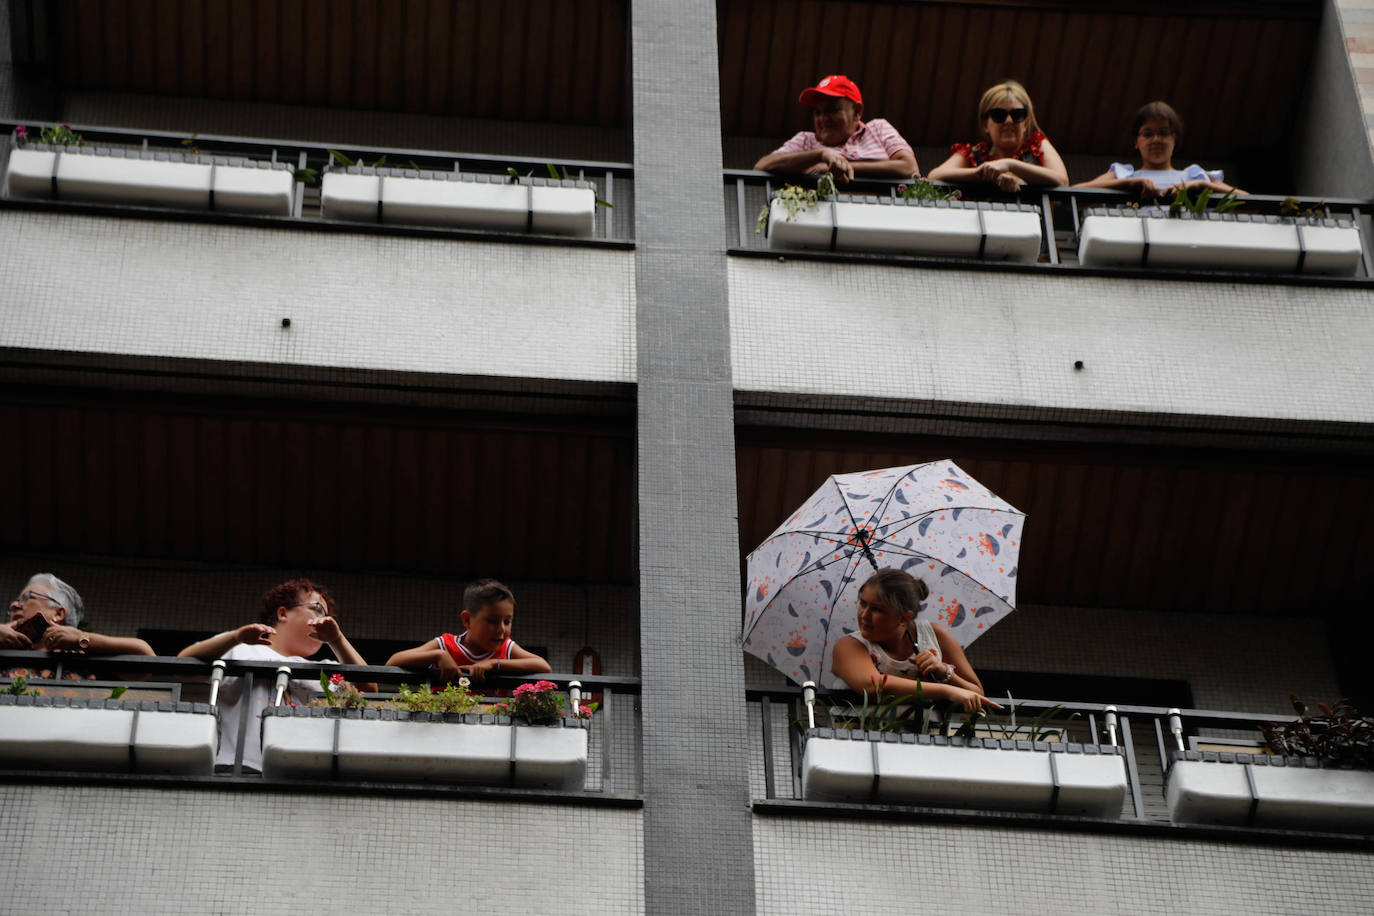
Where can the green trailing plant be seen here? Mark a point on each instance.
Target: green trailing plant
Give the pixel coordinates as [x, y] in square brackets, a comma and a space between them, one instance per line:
[456, 697]
[920, 189]
[1183, 202]
[1291, 206]
[116, 692]
[189, 145]
[915, 714]
[1335, 732]
[19, 687]
[54, 135]
[795, 198]
[1039, 728]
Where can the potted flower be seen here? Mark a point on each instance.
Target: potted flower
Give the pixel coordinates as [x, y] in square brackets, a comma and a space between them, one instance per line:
[921, 219]
[1316, 773]
[60, 164]
[105, 734]
[887, 755]
[1189, 234]
[557, 205]
[444, 737]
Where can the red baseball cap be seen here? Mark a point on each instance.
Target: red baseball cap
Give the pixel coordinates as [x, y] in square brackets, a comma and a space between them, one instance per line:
[836, 85]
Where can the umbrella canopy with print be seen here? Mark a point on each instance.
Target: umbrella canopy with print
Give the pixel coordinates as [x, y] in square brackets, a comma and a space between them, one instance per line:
[933, 520]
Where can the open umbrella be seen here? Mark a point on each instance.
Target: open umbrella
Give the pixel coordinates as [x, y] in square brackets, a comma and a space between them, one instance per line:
[933, 520]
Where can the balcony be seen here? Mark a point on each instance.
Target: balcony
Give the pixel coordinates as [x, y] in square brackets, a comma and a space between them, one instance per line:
[76, 727]
[1122, 768]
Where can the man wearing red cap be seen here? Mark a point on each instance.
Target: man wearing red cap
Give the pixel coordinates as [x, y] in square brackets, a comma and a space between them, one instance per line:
[841, 143]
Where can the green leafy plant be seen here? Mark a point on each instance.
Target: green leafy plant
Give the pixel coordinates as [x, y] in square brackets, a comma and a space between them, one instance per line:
[19, 687]
[116, 692]
[535, 703]
[1291, 206]
[1184, 203]
[1039, 728]
[920, 189]
[308, 177]
[1337, 732]
[456, 697]
[348, 163]
[56, 135]
[795, 198]
[189, 145]
[339, 692]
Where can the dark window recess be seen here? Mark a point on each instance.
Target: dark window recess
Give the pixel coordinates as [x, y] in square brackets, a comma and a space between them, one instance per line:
[1086, 688]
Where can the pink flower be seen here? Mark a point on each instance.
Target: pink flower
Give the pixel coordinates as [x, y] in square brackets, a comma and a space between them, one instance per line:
[584, 711]
[541, 686]
[336, 679]
[21, 131]
[524, 689]
[501, 709]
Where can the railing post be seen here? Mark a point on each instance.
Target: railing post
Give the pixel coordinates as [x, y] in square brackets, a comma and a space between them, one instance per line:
[216, 676]
[1132, 771]
[283, 678]
[765, 715]
[1176, 726]
[1047, 216]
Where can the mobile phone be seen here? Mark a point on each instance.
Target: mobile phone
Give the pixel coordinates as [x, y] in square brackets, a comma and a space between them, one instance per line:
[34, 627]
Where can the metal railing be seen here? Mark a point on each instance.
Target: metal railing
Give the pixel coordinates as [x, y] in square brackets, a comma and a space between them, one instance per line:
[782, 714]
[1062, 209]
[612, 765]
[614, 181]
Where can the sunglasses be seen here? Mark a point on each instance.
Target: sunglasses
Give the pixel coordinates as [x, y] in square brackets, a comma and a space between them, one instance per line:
[999, 115]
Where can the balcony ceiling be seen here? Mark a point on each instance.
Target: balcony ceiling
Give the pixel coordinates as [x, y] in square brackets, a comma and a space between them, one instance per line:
[1167, 529]
[236, 484]
[1235, 71]
[529, 60]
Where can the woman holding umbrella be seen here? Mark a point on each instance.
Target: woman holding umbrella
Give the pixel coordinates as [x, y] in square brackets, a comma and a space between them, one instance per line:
[895, 653]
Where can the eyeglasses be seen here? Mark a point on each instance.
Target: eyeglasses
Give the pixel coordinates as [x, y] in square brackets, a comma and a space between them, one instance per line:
[319, 610]
[26, 596]
[999, 115]
[1163, 134]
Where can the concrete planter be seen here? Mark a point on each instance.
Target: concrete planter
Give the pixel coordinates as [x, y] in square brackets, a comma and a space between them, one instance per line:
[317, 743]
[953, 228]
[1230, 241]
[1266, 791]
[1004, 775]
[459, 201]
[107, 735]
[162, 179]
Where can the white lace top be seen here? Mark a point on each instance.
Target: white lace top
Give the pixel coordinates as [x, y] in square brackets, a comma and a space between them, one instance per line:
[906, 667]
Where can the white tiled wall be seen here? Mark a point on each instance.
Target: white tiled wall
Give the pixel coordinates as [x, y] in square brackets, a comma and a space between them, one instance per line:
[359, 301]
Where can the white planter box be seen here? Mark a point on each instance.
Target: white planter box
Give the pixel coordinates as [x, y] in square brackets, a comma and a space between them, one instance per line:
[1211, 788]
[1226, 242]
[160, 179]
[108, 735]
[954, 773]
[471, 201]
[966, 229]
[315, 743]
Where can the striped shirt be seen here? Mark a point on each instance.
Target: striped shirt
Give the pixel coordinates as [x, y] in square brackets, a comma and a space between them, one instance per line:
[876, 139]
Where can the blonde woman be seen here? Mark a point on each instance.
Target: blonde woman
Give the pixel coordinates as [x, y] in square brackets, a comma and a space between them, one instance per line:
[1013, 151]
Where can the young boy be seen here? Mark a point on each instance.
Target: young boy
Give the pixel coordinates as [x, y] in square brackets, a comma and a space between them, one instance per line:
[485, 647]
[298, 618]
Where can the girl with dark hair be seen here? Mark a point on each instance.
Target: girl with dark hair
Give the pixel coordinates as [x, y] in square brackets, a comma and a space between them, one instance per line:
[896, 653]
[1157, 131]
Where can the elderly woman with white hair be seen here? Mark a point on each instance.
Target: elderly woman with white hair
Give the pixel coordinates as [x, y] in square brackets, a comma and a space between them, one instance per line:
[48, 614]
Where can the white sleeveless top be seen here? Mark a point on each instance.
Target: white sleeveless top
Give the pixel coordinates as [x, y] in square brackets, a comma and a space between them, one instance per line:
[886, 664]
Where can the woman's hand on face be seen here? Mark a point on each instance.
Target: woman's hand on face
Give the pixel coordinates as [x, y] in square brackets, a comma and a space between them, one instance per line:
[326, 629]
